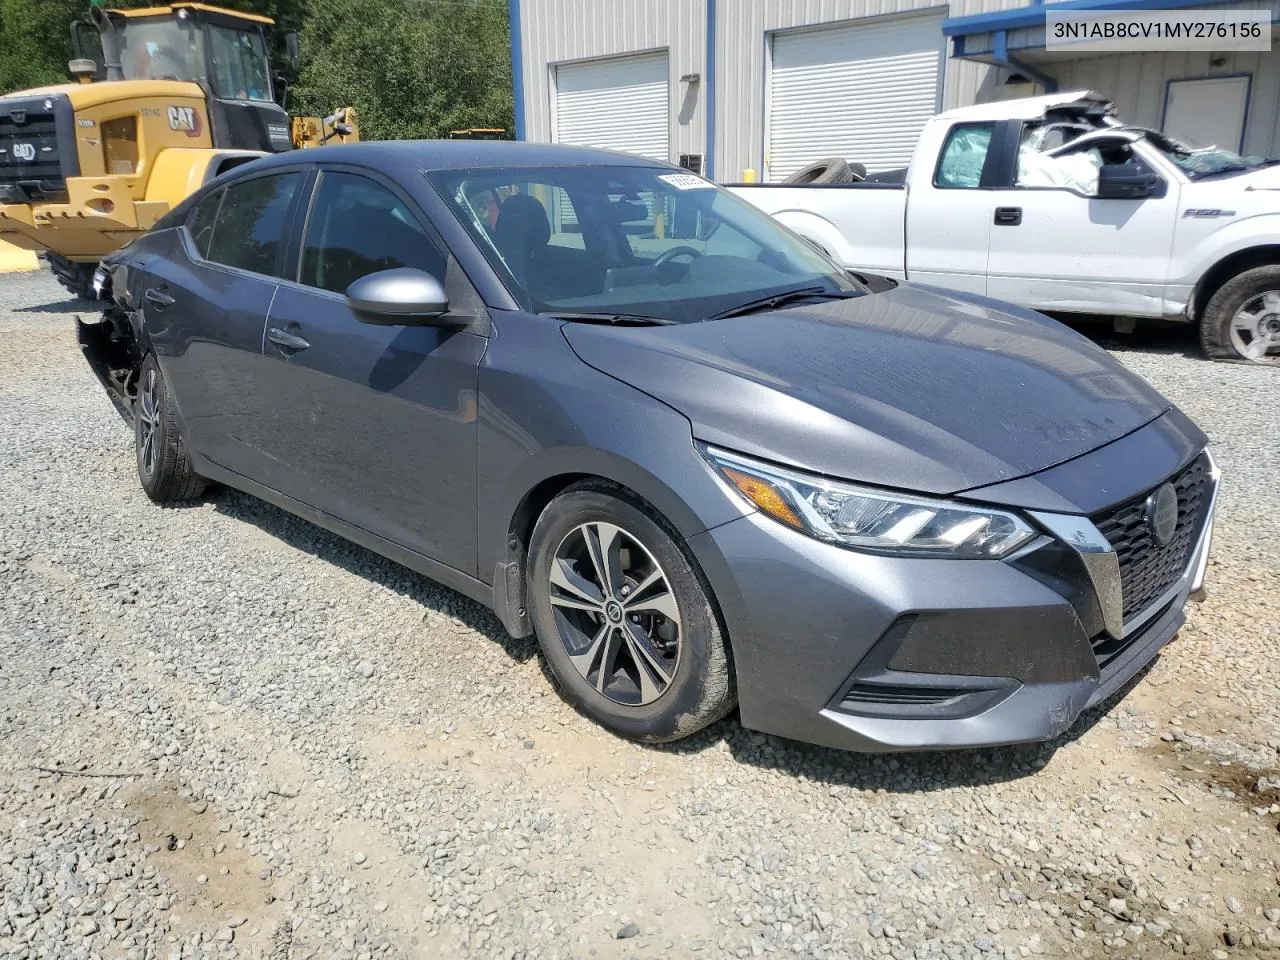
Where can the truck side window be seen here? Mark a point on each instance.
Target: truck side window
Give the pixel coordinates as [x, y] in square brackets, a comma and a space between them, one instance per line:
[963, 156]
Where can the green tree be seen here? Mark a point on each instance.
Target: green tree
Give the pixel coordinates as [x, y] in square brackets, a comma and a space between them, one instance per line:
[412, 68]
[35, 41]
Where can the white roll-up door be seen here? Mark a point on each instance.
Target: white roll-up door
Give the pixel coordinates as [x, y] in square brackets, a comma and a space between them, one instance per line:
[621, 103]
[858, 91]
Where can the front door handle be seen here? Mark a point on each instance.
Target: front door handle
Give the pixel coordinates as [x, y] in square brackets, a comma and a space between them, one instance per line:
[1008, 216]
[158, 297]
[289, 341]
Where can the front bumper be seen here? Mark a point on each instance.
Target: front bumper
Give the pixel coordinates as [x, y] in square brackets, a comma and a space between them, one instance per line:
[98, 216]
[875, 653]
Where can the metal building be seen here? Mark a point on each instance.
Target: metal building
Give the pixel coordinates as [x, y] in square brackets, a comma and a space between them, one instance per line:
[767, 86]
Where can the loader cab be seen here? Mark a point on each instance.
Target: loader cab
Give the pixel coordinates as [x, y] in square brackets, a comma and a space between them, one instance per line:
[224, 51]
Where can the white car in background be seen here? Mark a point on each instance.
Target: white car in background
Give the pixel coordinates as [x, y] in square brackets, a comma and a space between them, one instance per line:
[1054, 204]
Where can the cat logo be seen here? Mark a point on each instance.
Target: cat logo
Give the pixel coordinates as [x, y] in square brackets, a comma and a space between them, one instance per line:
[185, 119]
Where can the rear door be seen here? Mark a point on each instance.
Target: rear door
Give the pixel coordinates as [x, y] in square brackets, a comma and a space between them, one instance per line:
[206, 302]
[375, 425]
[949, 210]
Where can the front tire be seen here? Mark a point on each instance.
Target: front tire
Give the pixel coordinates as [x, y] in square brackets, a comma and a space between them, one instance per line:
[1242, 319]
[76, 278]
[624, 621]
[164, 467]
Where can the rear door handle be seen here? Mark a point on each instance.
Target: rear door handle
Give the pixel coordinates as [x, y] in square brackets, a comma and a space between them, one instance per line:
[287, 340]
[159, 298]
[1008, 216]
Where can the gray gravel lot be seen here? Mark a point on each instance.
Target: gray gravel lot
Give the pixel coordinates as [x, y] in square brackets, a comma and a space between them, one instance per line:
[311, 752]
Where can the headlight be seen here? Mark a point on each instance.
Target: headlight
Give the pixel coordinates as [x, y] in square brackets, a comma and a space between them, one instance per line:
[875, 520]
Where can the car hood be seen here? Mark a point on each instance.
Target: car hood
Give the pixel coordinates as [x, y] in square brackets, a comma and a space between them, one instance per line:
[910, 388]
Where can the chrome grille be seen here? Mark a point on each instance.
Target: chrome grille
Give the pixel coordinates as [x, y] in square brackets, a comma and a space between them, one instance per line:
[1147, 570]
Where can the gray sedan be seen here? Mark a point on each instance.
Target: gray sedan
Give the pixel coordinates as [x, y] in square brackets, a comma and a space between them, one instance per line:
[637, 417]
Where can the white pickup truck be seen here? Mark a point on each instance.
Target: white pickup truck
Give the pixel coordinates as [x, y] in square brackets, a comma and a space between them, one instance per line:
[1052, 203]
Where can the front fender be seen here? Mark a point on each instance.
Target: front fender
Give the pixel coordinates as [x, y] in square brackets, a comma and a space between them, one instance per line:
[1187, 268]
[546, 417]
[178, 172]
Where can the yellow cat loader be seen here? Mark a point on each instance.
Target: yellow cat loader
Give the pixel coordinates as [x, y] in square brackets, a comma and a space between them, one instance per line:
[168, 98]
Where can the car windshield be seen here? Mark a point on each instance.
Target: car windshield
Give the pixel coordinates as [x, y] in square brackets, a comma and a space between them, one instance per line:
[644, 242]
[1200, 162]
[161, 48]
[239, 64]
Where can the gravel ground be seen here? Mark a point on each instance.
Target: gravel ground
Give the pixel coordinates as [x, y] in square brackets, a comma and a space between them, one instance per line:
[276, 744]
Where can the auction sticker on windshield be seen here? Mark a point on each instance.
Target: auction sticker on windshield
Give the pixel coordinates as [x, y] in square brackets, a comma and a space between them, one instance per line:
[686, 181]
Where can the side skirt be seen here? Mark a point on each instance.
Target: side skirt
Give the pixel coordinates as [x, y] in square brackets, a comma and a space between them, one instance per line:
[454, 579]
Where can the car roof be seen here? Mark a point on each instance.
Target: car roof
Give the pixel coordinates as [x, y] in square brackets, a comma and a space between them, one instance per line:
[460, 154]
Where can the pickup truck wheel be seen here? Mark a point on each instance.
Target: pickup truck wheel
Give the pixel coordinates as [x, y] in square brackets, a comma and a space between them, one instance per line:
[164, 468]
[833, 170]
[625, 622]
[76, 278]
[1242, 320]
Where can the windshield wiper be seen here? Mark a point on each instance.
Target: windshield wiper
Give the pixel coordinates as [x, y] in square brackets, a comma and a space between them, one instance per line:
[616, 319]
[780, 299]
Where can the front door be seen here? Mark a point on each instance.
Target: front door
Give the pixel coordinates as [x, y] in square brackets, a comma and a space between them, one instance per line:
[1056, 245]
[375, 425]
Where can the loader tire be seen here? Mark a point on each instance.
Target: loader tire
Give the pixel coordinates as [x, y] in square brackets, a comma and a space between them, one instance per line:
[77, 278]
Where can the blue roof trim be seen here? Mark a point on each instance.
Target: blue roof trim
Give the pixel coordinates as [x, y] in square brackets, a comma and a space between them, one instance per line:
[709, 91]
[517, 65]
[1034, 15]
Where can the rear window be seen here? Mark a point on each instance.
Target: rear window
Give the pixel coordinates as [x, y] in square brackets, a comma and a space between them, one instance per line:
[200, 222]
[963, 156]
[252, 223]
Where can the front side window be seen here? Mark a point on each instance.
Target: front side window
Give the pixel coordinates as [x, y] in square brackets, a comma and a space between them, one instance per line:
[963, 156]
[162, 48]
[200, 222]
[240, 69]
[252, 223]
[1077, 165]
[645, 241]
[358, 227]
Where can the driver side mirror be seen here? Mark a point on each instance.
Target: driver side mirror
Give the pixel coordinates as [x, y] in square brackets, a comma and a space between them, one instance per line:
[404, 295]
[292, 49]
[1123, 181]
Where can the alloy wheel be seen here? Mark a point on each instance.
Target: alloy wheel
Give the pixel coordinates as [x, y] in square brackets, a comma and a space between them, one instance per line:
[1255, 328]
[148, 421]
[616, 613]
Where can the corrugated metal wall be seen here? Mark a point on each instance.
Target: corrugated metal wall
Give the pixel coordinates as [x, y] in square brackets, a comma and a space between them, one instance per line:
[1137, 84]
[742, 28]
[560, 31]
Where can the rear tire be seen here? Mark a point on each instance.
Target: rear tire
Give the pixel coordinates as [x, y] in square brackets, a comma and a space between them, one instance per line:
[164, 467]
[832, 170]
[76, 278]
[1242, 319]
[668, 672]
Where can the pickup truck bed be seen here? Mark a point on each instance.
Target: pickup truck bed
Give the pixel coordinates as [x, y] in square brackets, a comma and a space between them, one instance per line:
[862, 225]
